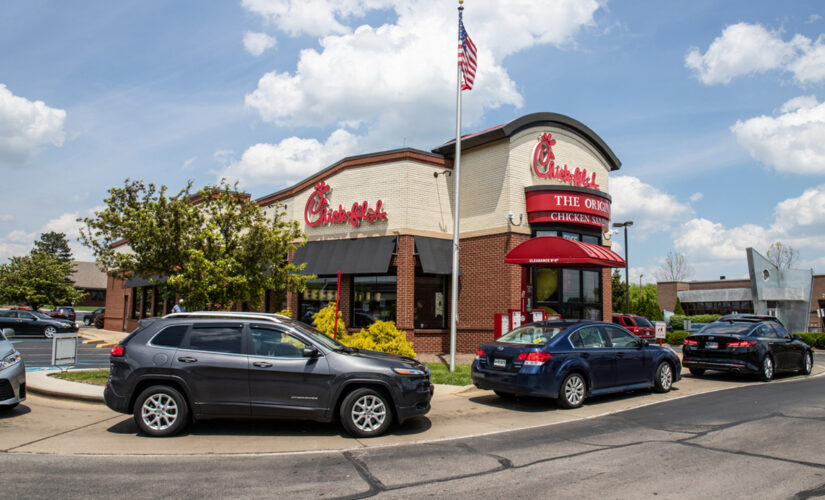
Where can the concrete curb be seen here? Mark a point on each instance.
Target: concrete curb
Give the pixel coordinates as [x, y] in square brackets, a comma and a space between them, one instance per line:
[41, 383]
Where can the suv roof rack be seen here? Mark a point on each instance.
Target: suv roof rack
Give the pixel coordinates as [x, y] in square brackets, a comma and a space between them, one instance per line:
[230, 314]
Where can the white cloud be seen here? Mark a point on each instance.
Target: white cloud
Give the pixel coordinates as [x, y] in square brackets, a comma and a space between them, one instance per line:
[649, 208]
[6, 218]
[696, 197]
[386, 81]
[289, 161]
[792, 142]
[25, 126]
[805, 213]
[813, 18]
[257, 43]
[745, 49]
[740, 50]
[19, 242]
[703, 239]
[188, 163]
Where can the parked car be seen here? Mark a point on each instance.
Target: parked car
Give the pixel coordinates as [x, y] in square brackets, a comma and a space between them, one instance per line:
[64, 312]
[570, 361]
[92, 316]
[205, 365]
[12, 372]
[34, 322]
[747, 343]
[637, 325]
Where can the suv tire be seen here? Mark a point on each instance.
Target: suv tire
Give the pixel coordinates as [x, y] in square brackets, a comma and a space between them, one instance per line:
[161, 411]
[366, 412]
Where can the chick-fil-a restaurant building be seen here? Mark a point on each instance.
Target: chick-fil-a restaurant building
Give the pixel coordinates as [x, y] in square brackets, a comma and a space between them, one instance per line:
[534, 234]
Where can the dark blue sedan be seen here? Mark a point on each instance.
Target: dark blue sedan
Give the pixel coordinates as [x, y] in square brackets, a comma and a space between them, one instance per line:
[570, 361]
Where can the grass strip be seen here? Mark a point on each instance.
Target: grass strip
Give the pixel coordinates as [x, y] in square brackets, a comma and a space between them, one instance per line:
[440, 374]
[94, 377]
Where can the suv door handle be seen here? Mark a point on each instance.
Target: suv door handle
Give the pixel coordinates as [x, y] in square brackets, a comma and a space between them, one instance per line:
[262, 364]
[186, 359]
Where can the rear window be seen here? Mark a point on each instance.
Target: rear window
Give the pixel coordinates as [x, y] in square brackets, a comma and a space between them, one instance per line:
[171, 336]
[529, 334]
[643, 322]
[726, 329]
[217, 339]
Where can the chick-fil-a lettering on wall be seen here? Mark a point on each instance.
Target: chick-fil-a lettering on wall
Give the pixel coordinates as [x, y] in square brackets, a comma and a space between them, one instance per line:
[545, 167]
[317, 211]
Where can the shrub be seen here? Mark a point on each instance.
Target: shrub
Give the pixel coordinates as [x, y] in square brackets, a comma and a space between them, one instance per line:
[99, 321]
[813, 339]
[324, 321]
[381, 336]
[676, 337]
[285, 312]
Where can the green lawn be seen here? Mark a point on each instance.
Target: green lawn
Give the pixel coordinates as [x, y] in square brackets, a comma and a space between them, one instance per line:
[440, 374]
[94, 377]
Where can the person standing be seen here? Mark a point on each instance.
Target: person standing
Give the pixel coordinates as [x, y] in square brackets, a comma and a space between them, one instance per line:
[178, 308]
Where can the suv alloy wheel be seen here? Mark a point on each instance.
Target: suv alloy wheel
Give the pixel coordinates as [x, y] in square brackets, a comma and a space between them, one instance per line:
[366, 412]
[161, 411]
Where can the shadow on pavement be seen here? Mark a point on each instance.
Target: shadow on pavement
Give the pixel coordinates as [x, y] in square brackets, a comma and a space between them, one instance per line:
[17, 411]
[532, 404]
[272, 428]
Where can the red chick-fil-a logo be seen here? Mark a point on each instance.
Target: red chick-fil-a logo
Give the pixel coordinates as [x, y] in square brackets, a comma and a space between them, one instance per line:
[544, 165]
[318, 213]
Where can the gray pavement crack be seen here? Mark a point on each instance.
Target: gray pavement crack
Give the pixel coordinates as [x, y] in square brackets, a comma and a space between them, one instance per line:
[7, 450]
[814, 493]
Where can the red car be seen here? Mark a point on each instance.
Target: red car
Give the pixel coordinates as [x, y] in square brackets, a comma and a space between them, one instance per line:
[638, 325]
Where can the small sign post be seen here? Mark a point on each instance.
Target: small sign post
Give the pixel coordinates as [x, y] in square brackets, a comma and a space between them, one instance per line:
[661, 330]
[64, 349]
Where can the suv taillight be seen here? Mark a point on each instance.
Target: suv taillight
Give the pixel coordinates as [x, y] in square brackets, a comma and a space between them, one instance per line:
[534, 358]
[117, 351]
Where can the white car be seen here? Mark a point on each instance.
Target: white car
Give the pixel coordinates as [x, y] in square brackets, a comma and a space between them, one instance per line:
[12, 372]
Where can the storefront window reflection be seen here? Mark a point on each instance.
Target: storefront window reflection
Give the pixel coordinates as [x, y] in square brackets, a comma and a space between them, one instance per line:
[373, 299]
[319, 292]
[577, 295]
[430, 302]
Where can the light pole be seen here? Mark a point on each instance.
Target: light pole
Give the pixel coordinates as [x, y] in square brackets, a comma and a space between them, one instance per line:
[626, 265]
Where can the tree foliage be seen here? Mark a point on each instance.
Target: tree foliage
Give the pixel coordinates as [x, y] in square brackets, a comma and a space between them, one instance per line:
[54, 244]
[37, 279]
[618, 287]
[675, 268]
[215, 248]
[644, 302]
[781, 255]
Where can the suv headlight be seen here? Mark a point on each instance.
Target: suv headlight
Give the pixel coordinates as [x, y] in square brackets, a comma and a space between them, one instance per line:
[408, 371]
[11, 359]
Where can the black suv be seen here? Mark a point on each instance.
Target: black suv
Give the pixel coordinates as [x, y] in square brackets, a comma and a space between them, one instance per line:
[747, 343]
[212, 365]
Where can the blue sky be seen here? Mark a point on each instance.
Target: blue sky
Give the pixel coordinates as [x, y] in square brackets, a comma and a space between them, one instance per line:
[716, 109]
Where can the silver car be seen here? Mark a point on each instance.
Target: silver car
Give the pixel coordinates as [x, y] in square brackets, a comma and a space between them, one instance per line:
[12, 372]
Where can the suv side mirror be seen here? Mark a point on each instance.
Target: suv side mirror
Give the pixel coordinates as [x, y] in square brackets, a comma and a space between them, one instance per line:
[311, 352]
[795, 337]
[643, 343]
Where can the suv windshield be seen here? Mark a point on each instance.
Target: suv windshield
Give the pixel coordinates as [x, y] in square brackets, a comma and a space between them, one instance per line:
[531, 334]
[726, 329]
[317, 336]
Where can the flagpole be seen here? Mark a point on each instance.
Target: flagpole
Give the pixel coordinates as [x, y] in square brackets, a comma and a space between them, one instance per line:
[456, 191]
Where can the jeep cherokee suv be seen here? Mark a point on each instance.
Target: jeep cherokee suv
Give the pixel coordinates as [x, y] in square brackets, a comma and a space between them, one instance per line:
[210, 365]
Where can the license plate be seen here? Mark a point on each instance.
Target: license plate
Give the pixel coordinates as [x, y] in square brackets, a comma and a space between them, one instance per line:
[711, 345]
[499, 363]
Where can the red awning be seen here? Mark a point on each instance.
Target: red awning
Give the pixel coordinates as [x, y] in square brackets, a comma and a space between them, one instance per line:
[553, 251]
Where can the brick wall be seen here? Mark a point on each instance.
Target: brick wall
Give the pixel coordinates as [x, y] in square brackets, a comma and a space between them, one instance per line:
[405, 283]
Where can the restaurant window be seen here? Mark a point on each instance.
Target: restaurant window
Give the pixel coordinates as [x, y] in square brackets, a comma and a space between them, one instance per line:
[430, 301]
[373, 299]
[572, 293]
[318, 293]
[570, 235]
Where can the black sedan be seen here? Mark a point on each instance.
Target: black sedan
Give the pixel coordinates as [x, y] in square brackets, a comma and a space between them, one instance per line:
[34, 322]
[570, 361]
[747, 344]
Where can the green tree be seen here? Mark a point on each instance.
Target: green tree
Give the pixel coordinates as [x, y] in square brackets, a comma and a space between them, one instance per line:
[678, 309]
[54, 244]
[618, 292]
[37, 279]
[216, 247]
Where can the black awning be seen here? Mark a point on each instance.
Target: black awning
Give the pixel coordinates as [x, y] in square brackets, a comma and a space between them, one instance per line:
[139, 281]
[355, 256]
[436, 255]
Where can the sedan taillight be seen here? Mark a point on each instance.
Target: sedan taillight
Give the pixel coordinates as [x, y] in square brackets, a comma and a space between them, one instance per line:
[480, 354]
[691, 342]
[742, 343]
[534, 358]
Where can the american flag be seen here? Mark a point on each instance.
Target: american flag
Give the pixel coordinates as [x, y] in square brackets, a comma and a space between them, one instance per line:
[466, 56]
